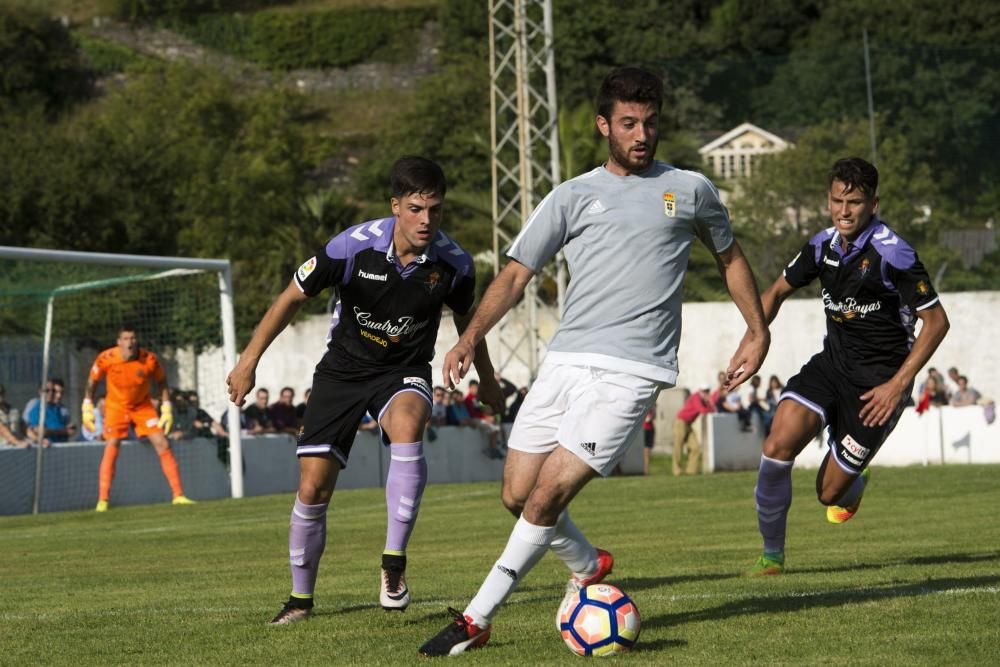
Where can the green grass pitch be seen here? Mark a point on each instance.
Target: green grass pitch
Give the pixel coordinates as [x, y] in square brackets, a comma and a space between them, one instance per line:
[913, 579]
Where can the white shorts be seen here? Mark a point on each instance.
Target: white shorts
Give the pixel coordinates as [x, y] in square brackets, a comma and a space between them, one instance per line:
[592, 412]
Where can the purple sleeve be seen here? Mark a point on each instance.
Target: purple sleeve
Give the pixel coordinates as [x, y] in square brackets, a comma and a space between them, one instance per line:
[805, 267]
[903, 271]
[331, 266]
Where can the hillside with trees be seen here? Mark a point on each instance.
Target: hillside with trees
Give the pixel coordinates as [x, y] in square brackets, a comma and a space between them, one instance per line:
[274, 123]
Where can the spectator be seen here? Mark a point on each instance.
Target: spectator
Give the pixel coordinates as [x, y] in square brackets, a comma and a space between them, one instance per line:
[757, 403]
[439, 407]
[939, 381]
[732, 404]
[183, 416]
[98, 432]
[718, 395]
[458, 415]
[774, 389]
[964, 395]
[300, 409]
[472, 402]
[282, 414]
[685, 439]
[648, 438]
[9, 424]
[508, 389]
[515, 406]
[367, 423]
[58, 426]
[202, 425]
[258, 419]
[933, 393]
[951, 385]
[244, 422]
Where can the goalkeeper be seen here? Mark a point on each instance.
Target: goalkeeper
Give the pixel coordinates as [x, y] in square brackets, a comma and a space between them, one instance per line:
[129, 369]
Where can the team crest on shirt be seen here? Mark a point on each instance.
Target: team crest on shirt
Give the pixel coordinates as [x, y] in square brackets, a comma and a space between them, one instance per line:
[922, 287]
[865, 267]
[433, 281]
[669, 204]
[307, 268]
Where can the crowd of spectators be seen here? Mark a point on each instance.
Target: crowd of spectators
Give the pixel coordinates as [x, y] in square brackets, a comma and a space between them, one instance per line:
[936, 390]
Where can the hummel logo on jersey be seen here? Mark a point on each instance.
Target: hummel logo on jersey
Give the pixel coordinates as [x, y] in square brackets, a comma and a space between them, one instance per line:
[509, 572]
[589, 447]
[596, 207]
[381, 277]
[831, 262]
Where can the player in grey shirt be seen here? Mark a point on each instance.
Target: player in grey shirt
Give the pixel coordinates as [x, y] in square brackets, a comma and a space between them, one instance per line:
[626, 229]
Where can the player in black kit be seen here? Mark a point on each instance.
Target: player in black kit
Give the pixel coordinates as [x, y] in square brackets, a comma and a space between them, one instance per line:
[874, 288]
[393, 276]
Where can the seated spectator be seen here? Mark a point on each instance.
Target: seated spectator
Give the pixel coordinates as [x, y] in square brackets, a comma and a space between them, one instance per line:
[964, 395]
[258, 418]
[458, 415]
[731, 403]
[951, 384]
[757, 404]
[515, 406]
[203, 426]
[932, 394]
[244, 423]
[58, 425]
[439, 407]
[939, 388]
[300, 409]
[368, 423]
[718, 395]
[282, 414]
[183, 416]
[9, 424]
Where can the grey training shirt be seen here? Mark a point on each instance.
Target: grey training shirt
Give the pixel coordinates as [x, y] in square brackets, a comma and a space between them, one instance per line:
[626, 240]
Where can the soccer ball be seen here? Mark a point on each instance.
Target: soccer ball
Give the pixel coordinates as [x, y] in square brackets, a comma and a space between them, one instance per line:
[599, 620]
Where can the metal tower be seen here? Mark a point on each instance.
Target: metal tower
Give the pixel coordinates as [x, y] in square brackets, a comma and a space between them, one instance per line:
[524, 151]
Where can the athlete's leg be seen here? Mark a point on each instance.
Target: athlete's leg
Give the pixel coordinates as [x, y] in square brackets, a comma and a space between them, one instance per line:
[403, 421]
[307, 528]
[167, 462]
[793, 427]
[836, 486]
[107, 475]
[561, 477]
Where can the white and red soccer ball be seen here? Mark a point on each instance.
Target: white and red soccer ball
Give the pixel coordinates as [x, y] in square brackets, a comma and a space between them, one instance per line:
[599, 620]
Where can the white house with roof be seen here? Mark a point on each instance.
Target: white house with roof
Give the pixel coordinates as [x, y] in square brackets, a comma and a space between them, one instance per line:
[733, 155]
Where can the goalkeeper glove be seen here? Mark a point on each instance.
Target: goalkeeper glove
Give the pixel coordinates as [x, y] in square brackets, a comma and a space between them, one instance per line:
[89, 418]
[166, 417]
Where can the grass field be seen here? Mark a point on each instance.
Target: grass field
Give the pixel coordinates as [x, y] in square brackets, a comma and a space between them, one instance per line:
[914, 579]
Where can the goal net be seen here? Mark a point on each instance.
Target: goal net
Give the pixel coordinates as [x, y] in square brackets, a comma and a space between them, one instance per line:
[58, 311]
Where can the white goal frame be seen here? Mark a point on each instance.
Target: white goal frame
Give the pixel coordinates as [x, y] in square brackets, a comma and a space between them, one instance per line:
[173, 266]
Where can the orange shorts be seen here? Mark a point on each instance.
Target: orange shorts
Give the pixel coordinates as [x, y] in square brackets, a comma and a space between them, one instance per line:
[118, 417]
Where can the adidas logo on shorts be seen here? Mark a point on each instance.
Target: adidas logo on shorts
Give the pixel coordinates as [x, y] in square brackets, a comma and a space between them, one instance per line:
[589, 447]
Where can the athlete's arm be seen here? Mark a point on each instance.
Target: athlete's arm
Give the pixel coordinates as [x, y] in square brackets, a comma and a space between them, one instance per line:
[500, 297]
[774, 296]
[738, 277]
[242, 378]
[489, 389]
[881, 401]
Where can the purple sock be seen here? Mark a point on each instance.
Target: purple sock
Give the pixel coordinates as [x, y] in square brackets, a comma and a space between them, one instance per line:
[403, 488]
[853, 492]
[774, 497]
[306, 541]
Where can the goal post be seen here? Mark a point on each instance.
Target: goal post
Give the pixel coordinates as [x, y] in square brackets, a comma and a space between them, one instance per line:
[69, 305]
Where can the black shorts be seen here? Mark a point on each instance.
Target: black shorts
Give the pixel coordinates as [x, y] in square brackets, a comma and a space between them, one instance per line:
[336, 406]
[819, 387]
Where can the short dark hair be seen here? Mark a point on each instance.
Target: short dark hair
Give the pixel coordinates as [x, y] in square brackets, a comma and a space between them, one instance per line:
[629, 84]
[128, 326]
[412, 173]
[855, 173]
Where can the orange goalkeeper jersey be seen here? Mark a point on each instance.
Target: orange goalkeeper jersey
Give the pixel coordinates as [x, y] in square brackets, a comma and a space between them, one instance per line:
[128, 381]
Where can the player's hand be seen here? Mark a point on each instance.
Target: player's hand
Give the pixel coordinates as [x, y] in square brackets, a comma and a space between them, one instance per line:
[491, 394]
[89, 419]
[748, 358]
[241, 382]
[457, 363]
[880, 403]
[166, 417]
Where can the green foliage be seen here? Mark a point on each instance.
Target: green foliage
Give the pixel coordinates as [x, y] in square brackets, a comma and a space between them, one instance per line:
[284, 40]
[39, 63]
[151, 9]
[103, 57]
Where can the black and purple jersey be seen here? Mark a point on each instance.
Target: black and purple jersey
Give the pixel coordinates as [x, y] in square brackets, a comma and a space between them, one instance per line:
[388, 314]
[871, 292]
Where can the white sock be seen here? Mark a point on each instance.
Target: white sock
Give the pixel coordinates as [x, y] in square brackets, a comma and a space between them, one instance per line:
[573, 548]
[526, 546]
